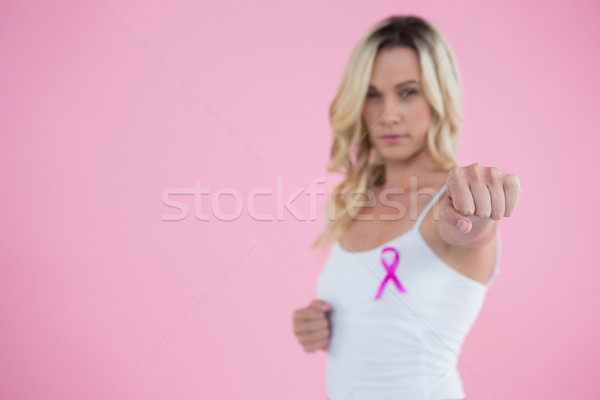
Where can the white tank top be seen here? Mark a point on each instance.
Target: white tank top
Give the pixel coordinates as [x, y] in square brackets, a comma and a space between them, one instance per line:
[405, 343]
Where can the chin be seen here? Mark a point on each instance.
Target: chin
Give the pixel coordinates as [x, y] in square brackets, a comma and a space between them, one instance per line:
[394, 154]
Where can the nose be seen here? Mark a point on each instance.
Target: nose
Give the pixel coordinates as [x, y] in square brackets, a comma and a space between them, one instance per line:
[391, 114]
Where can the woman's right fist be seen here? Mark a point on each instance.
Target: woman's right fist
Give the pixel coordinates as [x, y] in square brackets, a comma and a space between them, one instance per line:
[311, 326]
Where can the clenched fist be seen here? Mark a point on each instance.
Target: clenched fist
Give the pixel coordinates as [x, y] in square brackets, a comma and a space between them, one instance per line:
[479, 192]
[311, 326]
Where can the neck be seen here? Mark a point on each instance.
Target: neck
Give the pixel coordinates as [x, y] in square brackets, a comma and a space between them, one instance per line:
[415, 172]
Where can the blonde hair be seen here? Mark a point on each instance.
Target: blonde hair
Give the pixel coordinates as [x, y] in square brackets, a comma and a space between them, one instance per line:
[362, 165]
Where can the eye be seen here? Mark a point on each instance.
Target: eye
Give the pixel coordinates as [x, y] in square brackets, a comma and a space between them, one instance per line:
[408, 92]
[404, 93]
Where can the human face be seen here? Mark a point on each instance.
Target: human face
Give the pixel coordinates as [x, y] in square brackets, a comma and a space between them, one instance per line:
[396, 105]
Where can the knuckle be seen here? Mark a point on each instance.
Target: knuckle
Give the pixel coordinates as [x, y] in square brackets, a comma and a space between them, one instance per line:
[512, 181]
[496, 171]
[476, 166]
[495, 174]
[482, 214]
[496, 216]
[480, 169]
[456, 174]
[466, 210]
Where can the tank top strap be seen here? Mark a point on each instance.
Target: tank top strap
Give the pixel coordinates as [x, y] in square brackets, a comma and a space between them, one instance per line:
[435, 198]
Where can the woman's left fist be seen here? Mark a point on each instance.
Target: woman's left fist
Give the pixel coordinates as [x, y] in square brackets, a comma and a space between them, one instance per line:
[479, 191]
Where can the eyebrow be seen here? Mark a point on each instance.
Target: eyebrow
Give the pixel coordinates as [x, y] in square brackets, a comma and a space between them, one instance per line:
[397, 85]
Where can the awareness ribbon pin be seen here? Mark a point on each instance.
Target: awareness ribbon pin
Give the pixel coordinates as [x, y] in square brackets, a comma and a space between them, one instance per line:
[390, 271]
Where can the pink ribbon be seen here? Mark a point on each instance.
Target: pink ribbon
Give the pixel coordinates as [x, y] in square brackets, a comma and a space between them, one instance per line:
[390, 271]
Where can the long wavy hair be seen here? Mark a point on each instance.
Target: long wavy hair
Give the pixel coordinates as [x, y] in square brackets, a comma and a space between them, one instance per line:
[352, 153]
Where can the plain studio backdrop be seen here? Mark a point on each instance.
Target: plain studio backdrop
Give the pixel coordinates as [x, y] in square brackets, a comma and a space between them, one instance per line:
[156, 160]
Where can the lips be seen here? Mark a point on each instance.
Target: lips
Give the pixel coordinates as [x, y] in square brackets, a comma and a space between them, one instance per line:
[391, 139]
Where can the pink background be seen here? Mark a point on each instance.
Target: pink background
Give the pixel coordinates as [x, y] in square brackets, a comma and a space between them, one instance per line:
[105, 106]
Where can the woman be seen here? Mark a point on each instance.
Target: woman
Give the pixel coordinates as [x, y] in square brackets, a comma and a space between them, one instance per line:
[415, 237]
